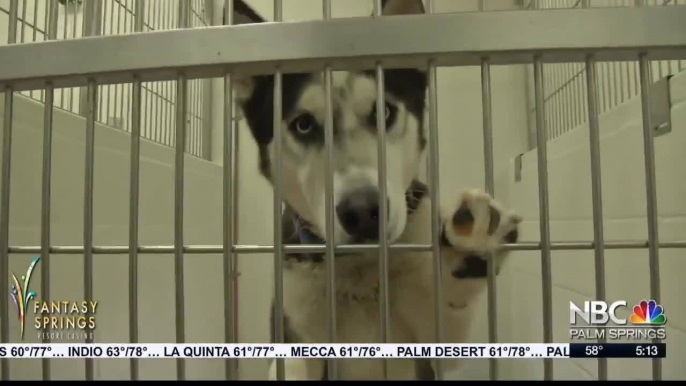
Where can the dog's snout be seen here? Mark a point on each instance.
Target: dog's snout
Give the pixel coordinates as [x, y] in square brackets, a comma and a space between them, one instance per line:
[358, 213]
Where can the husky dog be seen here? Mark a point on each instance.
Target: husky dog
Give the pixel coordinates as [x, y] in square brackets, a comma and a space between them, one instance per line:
[472, 227]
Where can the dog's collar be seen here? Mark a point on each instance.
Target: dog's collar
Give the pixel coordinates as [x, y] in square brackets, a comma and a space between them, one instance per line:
[305, 235]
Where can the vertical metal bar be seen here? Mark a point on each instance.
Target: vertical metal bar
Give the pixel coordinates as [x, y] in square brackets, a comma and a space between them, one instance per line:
[64, 37]
[490, 189]
[35, 20]
[278, 192]
[35, 32]
[193, 137]
[178, 217]
[330, 257]
[168, 85]
[567, 98]
[196, 113]
[626, 85]
[51, 33]
[155, 108]
[167, 108]
[557, 99]
[582, 97]
[159, 85]
[45, 211]
[100, 18]
[23, 20]
[616, 75]
[72, 91]
[572, 95]
[88, 211]
[127, 90]
[181, 114]
[651, 195]
[544, 214]
[434, 186]
[189, 112]
[607, 103]
[134, 191]
[5, 201]
[117, 102]
[575, 96]
[229, 304]
[133, 218]
[172, 139]
[4, 223]
[596, 180]
[384, 312]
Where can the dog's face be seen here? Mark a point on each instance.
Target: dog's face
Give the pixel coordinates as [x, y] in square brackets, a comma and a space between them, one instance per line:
[355, 142]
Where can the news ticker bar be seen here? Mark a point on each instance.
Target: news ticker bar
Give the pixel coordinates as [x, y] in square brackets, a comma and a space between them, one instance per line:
[343, 351]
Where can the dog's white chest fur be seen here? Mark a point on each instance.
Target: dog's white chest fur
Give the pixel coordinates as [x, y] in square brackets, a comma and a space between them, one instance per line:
[357, 309]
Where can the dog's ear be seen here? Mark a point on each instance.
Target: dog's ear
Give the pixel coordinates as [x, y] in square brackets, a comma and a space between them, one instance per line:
[244, 14]
[402, 7]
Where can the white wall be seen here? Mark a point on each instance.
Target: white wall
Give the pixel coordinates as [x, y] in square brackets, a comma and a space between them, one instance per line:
[624, 210]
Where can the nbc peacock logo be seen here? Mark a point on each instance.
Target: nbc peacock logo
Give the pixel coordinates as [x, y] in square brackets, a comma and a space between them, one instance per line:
[21, 295]
[648, 312]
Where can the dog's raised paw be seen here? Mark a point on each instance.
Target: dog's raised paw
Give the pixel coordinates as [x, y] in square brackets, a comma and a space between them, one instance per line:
[477, 225]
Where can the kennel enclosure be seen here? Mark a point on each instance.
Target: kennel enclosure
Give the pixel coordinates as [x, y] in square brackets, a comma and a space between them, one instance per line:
[613, 40]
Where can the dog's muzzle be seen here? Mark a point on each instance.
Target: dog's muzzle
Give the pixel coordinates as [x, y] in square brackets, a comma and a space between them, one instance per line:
[358, 213]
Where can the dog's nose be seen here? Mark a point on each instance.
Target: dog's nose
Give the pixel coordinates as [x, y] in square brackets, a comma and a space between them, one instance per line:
[358, 213]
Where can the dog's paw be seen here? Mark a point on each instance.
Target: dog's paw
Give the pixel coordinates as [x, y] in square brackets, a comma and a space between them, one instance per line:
[477, 226]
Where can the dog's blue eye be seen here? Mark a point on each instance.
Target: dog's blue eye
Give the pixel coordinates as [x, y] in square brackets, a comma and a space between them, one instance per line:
[390, 115]
[303, 124]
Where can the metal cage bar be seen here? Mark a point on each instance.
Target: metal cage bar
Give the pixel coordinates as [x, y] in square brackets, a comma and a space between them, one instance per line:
[305, 46]
[5, 194]
[182, 102]
[490, 189]
[384, 309]
[278, 206]
[332, 368]
[228, 213]
[434, 186]
[49, 92]
[134, 217]
[180, 148]
[544, 213]
[134, 186]
[651, 194]
[596, 183]
[45, 211]
[294, 249]
[92, 104]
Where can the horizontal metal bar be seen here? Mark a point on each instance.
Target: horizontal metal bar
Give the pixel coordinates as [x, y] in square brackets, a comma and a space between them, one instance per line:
[450, 39]
[294, 248]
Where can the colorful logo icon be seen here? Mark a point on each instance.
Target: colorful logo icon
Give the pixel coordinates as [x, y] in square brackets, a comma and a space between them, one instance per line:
[21, 295]
[648, 312]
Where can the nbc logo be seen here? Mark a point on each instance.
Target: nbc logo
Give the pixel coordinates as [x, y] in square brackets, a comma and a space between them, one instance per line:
[648, 312]
[601, 320]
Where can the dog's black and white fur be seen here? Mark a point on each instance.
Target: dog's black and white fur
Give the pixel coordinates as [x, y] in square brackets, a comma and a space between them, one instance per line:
[472, 227]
